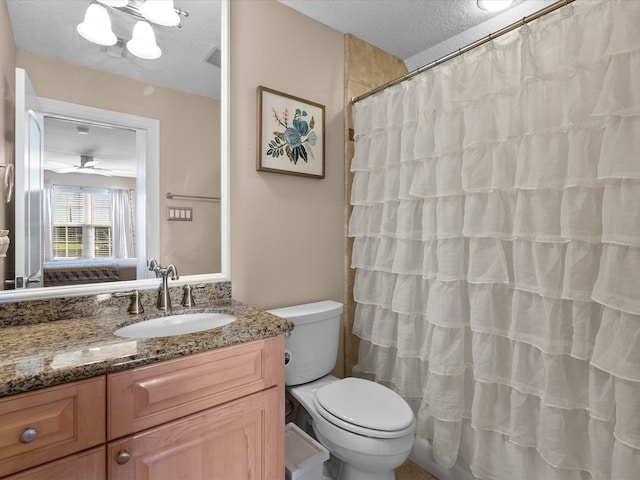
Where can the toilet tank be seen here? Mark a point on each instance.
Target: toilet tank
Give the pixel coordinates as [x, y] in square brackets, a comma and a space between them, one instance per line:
[311, 349]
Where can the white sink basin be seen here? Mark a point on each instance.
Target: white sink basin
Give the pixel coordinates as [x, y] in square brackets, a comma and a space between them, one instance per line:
[178, 324]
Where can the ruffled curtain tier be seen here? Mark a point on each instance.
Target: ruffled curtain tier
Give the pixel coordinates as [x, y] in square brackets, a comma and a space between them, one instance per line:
[496, 225]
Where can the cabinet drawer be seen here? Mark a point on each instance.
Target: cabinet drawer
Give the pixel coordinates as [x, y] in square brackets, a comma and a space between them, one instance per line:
[89, 465]
[149, 396]
[65, 419]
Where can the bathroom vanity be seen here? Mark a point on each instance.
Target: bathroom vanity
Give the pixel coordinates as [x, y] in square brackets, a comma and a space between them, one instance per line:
[92, 406]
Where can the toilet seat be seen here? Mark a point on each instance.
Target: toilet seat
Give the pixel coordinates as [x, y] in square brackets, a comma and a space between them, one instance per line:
[365, 408]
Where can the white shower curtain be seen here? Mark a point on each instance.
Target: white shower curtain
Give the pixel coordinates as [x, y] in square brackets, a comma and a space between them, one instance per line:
[496, 216]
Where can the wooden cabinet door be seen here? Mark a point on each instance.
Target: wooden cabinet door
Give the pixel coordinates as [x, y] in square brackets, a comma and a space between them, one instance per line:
[89, 465]
[239, 440]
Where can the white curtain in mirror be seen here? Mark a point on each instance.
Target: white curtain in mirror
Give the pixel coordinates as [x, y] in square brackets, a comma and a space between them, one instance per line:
[47, 234]
[496, 216]
[122, 222]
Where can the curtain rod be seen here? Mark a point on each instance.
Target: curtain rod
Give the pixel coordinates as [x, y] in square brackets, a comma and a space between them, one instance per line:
[477, 43]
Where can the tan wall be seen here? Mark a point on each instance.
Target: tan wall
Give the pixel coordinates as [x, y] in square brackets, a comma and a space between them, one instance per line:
[189, 148]
[7, 118]
[287, 237]
[366, 67]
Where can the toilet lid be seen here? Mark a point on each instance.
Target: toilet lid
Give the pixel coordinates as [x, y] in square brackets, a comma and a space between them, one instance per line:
[364, 404]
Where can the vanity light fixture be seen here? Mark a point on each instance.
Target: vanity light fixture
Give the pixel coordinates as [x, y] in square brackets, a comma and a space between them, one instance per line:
[114, 3]
[160, 12]
[143, 42]
[494, 5]
[97, 25]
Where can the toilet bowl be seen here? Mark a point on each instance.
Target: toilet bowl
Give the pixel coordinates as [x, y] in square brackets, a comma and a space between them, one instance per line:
[371, 438]
[365, 425]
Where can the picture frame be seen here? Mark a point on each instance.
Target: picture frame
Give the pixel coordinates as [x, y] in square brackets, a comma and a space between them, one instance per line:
[290, 134]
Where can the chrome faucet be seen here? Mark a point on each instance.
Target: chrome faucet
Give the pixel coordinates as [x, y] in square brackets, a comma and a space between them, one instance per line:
[164, 299]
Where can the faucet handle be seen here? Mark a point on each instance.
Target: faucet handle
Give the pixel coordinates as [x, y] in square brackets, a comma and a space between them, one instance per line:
[135, 305]
[187, 296]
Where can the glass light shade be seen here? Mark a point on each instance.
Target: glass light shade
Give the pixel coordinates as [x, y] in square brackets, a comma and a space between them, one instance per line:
[143, 42]
[97, 26]
[494, 5]
[160, 12]
[115, 3]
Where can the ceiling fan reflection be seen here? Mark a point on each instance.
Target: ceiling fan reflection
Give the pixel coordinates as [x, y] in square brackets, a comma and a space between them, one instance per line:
[87, 165]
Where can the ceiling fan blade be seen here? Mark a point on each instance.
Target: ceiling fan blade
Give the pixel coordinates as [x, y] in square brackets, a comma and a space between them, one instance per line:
[64, 170]
[94, 171]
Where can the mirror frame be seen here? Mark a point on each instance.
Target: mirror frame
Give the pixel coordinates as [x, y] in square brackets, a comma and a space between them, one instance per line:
[43, 293]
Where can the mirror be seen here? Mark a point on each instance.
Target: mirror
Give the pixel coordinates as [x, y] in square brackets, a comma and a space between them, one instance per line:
[193, 148]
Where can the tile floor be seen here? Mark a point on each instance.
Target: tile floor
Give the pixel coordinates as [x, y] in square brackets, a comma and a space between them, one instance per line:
[410, 471]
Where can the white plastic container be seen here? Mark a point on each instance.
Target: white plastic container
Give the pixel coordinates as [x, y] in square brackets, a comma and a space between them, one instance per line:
[304, 456]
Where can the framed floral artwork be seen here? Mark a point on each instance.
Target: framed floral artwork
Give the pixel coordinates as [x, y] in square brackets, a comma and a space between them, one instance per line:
[290, 134]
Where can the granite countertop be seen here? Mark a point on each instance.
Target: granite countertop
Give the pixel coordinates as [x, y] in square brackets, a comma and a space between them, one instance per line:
[52, 353]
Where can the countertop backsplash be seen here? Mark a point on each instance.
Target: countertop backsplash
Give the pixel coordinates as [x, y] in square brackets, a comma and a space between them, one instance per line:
[31, 312]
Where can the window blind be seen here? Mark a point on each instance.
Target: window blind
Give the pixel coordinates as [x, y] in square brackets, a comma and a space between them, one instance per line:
[81, 222]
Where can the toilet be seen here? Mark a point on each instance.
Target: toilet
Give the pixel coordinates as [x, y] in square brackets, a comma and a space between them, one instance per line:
[367, 426]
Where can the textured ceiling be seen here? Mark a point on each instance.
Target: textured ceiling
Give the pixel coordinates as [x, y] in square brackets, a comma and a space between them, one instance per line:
[416, 31]
[400, 27]
[113, 150]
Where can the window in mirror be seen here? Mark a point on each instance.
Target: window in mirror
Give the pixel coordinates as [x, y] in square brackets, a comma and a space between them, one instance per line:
[84, 221]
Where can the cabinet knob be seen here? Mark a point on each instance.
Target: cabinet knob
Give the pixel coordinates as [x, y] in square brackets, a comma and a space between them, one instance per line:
[123, 457]
[29, 435]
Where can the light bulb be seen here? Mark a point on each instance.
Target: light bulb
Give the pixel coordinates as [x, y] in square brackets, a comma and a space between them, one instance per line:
[143, 42]
[160, 12]
[494, 5]
[97, 26]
